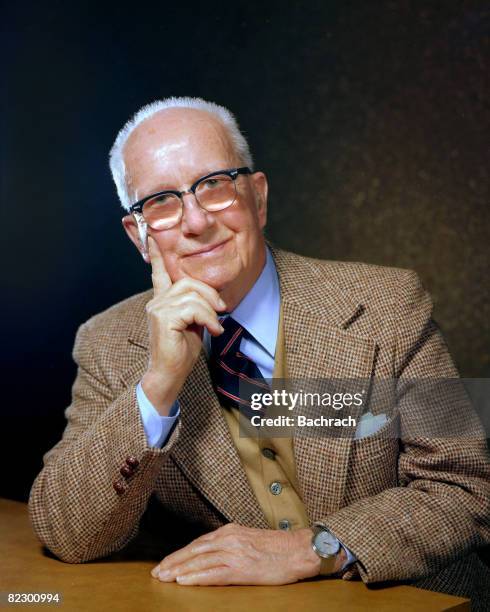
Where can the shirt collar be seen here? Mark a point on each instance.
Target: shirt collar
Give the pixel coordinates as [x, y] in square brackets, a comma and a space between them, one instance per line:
[258, 312]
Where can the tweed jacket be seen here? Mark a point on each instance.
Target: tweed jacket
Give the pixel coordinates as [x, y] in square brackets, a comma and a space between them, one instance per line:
[410, 509]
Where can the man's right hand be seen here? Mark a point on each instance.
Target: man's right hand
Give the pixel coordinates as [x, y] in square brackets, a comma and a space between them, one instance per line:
[176, 315]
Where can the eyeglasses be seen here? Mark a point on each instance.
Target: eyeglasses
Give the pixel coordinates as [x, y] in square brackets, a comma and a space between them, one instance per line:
[213, 192]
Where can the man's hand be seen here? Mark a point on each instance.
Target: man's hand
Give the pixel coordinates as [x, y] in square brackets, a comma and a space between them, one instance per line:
[234, 554]
[176, 316]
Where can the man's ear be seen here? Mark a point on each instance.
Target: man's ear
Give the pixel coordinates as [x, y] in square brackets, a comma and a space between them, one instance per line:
[132, 230]
[261, 189]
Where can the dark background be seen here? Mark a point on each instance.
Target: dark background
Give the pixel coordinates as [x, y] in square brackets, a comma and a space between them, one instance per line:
[370, 119]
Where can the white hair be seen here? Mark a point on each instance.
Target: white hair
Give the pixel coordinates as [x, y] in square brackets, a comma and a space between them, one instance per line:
[226, 118]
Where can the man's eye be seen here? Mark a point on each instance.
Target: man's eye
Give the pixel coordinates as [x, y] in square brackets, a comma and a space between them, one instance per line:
[211, 183]
[165, 198]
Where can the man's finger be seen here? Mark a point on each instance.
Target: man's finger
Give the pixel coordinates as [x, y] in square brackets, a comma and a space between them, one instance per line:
[217, 576]
[199, 563]
[204, 538]
[159, 275]
[194, 548]
[188, 552]
[188, 284]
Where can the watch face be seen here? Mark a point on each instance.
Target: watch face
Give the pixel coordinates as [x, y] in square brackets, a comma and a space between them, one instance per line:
[326, 543]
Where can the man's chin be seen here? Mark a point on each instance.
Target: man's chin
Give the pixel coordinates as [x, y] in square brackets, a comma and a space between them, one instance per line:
[215, 276]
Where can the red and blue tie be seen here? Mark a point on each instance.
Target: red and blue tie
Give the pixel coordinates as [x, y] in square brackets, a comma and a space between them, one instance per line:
[235, 377]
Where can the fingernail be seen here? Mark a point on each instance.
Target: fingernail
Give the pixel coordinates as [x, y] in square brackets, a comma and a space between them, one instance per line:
[221, 303]
[222, 328]
[154, 571]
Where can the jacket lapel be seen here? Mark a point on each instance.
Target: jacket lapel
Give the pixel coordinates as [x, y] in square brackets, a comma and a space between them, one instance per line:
[205, 451]
[207, 455]
[319, 345]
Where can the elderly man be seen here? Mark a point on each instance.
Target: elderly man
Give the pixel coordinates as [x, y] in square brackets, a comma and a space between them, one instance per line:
[154, 410]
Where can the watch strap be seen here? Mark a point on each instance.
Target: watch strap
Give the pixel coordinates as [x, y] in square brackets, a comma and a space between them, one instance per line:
[327, 565]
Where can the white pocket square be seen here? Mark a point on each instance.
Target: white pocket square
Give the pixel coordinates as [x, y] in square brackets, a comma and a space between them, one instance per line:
[369, 424]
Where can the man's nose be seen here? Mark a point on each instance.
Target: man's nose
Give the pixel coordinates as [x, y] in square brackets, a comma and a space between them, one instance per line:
[195, 220]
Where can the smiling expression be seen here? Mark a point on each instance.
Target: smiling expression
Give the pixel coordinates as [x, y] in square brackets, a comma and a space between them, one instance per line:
[224, 249]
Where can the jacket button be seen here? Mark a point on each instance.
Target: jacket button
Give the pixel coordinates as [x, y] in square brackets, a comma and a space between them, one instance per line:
[126, 471]
[119, 487]
[268, 453]
[132, 462]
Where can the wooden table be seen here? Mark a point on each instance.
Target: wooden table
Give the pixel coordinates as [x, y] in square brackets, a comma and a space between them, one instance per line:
[125, 584]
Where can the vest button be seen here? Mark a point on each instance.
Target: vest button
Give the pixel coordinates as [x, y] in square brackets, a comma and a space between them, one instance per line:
[275, 488]
[268, 453]
[284, 524]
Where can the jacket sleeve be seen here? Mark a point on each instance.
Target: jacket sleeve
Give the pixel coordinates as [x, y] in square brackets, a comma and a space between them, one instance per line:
[439, 512]
[74, 507]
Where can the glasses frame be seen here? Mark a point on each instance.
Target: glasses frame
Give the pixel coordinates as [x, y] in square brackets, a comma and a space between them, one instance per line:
[233, 173]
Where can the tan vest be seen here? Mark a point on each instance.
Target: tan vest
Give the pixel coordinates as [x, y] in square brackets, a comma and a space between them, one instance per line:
[269, 463]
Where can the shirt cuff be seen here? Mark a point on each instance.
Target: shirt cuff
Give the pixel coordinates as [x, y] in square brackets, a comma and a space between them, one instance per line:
[157, 427]
[350, 557]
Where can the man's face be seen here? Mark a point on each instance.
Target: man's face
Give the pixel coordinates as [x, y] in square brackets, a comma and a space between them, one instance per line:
[224, 249]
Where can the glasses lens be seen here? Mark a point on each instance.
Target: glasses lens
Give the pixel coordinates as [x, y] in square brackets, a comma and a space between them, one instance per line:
[162, 212]
[216, 192]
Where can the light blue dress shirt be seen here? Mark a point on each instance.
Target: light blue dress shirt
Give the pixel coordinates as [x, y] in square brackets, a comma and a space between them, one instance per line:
[258, 313]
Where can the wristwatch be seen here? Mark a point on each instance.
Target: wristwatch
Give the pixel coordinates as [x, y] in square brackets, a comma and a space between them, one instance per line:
[326, 546]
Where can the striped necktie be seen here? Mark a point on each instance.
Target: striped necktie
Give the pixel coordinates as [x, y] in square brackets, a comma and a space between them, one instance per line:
[235, 377]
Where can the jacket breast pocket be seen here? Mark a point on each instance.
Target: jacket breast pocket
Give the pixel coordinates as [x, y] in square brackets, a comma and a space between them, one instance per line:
[373, 462]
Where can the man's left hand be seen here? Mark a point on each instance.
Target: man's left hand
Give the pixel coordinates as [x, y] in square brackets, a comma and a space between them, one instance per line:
[234, 554]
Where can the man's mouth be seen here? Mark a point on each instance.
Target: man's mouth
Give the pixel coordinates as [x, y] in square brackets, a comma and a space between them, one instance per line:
[208, 250]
